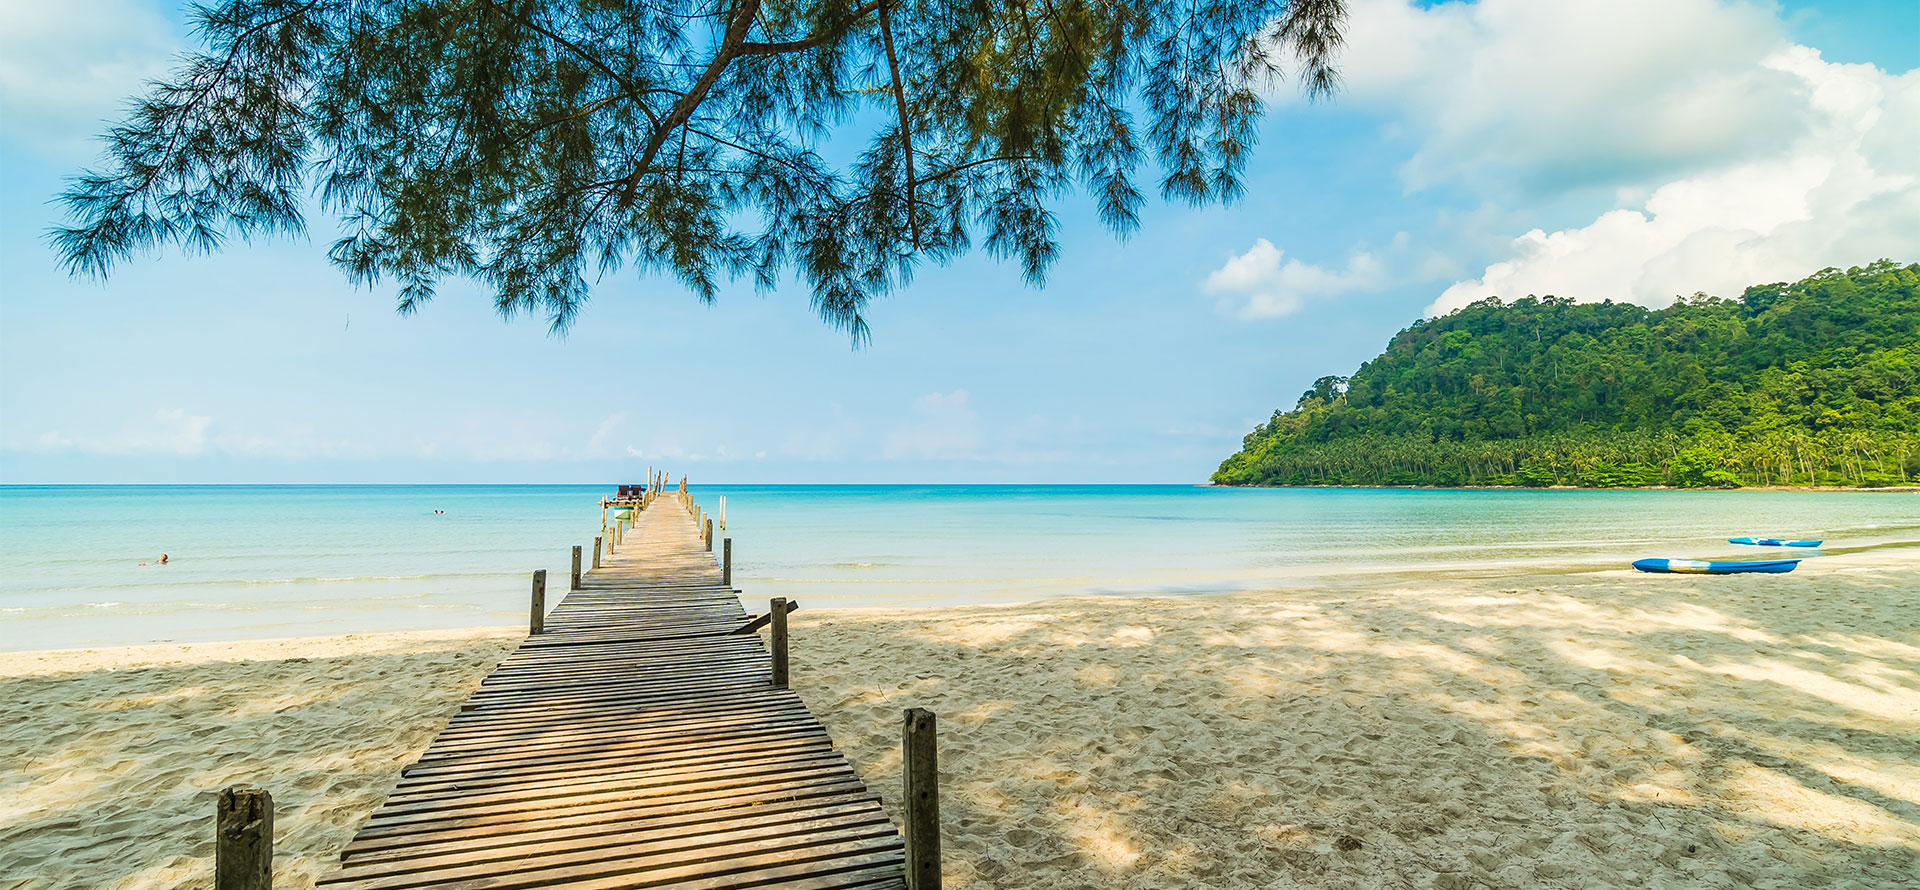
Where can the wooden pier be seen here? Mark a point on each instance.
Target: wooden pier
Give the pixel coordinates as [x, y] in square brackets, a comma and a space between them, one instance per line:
[642, 737]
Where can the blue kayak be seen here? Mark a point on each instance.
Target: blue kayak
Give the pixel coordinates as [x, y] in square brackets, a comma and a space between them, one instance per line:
[1774, 542]
[1716, 566]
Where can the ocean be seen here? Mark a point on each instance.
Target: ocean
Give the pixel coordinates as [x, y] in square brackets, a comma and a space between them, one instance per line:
[278, 561]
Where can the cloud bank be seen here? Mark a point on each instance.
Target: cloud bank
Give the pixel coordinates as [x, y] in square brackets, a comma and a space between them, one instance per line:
[1846, 191]
[1730, 155]
[67, 66]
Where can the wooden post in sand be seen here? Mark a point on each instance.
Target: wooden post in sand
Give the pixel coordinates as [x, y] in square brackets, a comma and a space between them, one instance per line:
[708, 537]
[243, 839]
[596, 554]
[779, 615]
[726, 562]
[537, 624]
[576, 568]
[920, 768]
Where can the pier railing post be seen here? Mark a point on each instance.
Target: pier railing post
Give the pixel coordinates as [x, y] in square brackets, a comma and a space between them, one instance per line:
[596, 553]
[920, 770]
[576, 568]
[537, 623]
[726, 562]
[243, 839]
[708, 537]
[779, 615]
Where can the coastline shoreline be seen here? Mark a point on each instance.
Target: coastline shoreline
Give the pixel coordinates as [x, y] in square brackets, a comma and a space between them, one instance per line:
[1879, 489]
[1441, 729]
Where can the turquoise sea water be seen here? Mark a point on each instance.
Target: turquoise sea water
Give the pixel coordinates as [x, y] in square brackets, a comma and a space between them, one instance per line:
[272, 561]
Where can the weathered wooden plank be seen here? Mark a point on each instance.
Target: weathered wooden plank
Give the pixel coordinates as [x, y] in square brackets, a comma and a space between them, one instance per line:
[557, 773]
[639, 840]
[578, 754]
[587, 825]
[620, 867]
[633, 740]
[694, 805]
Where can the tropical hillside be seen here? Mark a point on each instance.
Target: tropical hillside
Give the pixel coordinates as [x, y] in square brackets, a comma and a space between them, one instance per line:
[1811, 383]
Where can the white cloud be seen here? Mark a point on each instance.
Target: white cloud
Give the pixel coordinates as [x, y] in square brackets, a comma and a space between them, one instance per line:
[1731, 156]
[827, 436]
[944, 427]
[65, 67]
[1845, 191]
[1262, 283]
[600, 443]
[1544, 95]
[167, 431]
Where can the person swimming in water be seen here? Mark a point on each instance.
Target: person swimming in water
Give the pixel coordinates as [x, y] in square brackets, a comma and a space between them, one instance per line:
[159, 562]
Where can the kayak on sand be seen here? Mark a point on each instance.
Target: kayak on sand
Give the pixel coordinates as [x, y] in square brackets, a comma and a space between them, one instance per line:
[1716, 567]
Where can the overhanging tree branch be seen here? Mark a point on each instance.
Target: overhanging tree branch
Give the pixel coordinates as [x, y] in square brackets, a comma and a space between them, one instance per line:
[522, 145]
[740, 22]
[814, 41]
[906, 126]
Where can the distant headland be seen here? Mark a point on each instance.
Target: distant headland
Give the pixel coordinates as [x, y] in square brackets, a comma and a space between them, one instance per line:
[1810, 384]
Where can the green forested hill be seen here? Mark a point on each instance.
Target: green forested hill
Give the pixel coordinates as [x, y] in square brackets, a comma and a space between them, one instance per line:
[1811, 383]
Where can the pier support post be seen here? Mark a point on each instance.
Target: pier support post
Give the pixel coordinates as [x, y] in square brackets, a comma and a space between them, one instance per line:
[726, 562]
[778, 613]
[596, 553]
[243, 839]
[920, 769]
[707, 538]
[575, 585]
[537, 623]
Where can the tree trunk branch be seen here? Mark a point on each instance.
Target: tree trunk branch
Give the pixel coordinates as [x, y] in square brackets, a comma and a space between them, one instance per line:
[812, 40]
[906, 128]
[730, 42]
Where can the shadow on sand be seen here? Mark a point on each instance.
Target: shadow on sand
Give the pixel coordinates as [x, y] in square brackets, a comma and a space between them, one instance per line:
[1611, 730]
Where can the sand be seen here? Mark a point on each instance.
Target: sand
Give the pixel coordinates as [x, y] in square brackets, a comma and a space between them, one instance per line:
[110, 759]
[1551, 731]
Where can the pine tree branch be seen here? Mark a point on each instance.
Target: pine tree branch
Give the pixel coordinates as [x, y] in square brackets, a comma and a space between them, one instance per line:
[906, 127]
[813, 40]
[730, 42]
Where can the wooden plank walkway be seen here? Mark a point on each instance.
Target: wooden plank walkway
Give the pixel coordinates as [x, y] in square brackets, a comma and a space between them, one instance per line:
[637, 742]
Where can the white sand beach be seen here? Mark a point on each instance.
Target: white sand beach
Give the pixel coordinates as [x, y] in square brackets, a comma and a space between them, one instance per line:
[1576, 731]
[110, 759]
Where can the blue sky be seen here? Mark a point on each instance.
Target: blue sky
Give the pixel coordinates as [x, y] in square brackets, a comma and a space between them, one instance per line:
[1595, 150]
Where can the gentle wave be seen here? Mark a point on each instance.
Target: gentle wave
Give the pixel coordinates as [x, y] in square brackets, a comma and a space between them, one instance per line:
[349, 558]
[269, 582]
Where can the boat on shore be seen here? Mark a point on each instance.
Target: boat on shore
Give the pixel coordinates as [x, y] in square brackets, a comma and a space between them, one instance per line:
[1716, 566]
[1775, 542]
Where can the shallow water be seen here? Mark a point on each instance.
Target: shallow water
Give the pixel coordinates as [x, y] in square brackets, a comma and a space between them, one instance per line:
[270, 561]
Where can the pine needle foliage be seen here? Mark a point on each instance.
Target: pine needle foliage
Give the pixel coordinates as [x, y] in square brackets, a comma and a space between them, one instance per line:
[536, 145]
